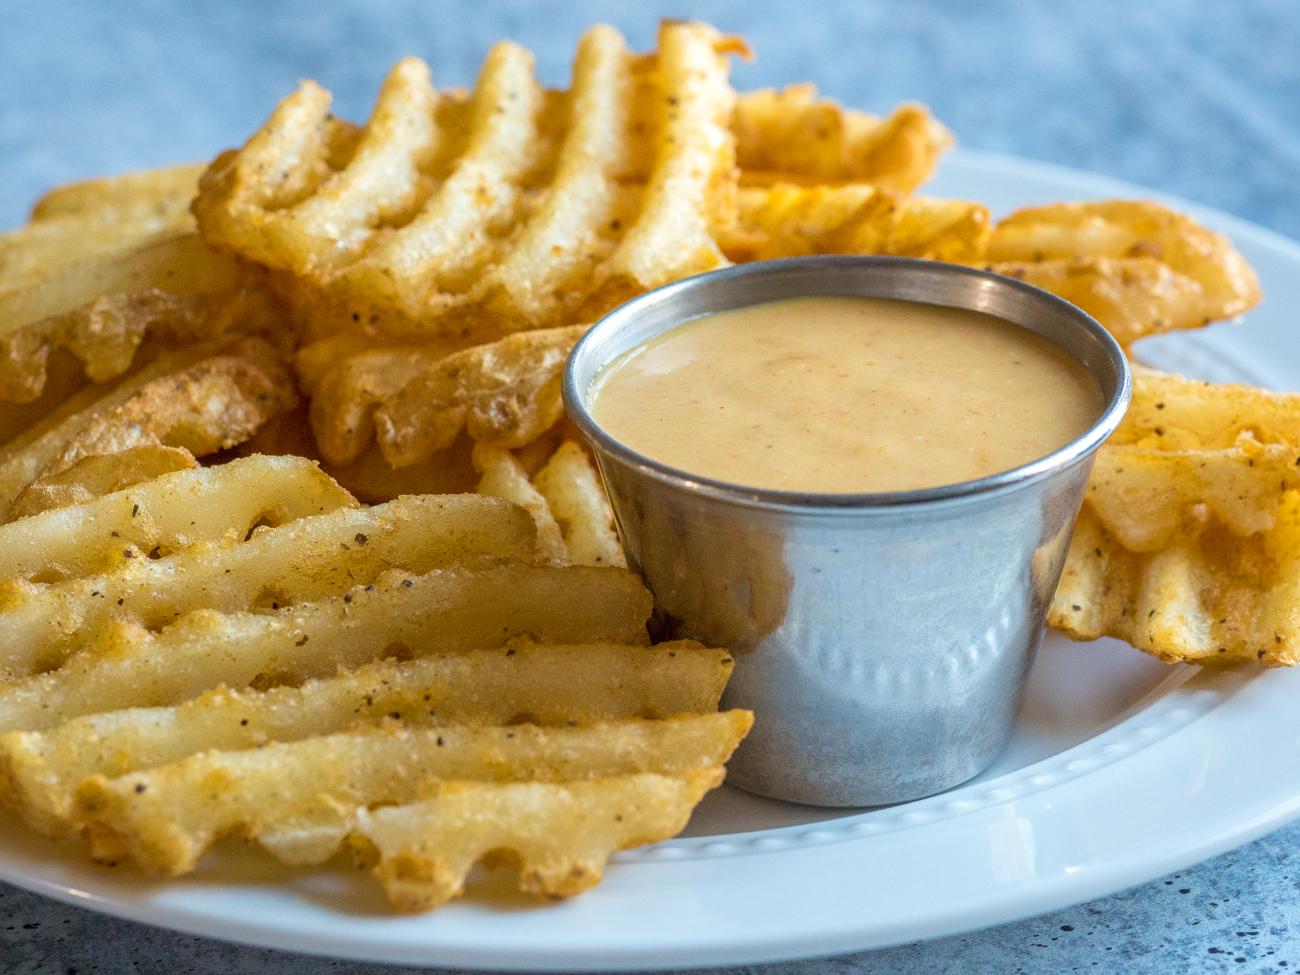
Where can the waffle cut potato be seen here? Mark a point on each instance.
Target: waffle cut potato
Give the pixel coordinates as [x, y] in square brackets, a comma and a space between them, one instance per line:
[1188, 545]
[244, 650]
[510, 208]
[1134, 265]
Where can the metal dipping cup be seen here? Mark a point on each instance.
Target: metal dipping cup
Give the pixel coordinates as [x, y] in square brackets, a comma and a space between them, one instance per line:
[882, 641]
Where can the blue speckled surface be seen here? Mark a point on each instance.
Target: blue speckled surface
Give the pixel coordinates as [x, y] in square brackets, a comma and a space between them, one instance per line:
[1200, 99]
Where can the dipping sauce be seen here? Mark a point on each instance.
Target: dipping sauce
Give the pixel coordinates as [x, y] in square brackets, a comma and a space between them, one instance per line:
[845, 396]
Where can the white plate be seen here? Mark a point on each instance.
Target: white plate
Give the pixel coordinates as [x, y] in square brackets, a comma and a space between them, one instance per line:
[1122, 769]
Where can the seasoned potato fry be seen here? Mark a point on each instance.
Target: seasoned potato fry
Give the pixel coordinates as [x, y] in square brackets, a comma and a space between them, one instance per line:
[309, 559]
[572, 492]
[105, 335]
[214, 405]
[169, 514]
[94, 475]
[178, 263]
[560, 834]
[114, 196]
[32, 251]
[789, 136]
[692, 186]
[785, 220]
[545, 685]
[545, 275]
[1135, 266]
[299, 798]
[505, 394]
[245, 204]
[1186, 544]
[443, 610]
[202, 407]
[23, 457]
[503, 477]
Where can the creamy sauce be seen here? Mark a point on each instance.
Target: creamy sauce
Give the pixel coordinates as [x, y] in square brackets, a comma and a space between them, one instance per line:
[846, 395]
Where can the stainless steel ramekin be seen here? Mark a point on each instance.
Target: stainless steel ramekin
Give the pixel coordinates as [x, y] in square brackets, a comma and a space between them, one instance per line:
[882, 640]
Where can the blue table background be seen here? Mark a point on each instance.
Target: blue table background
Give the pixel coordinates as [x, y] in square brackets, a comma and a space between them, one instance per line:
[1195, 98]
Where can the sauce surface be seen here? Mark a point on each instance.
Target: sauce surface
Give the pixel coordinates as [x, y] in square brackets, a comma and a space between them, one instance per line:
[845, 396]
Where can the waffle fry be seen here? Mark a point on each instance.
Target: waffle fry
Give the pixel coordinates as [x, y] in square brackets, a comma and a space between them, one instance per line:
[560, 834]
[545, 685]
[785, 220]
[1135, 266]
[791, 137]
[125, 196]
[476, 240]
[298, 798]
[1186, 545]
[415, 401]
[166, 515]
[168, 400]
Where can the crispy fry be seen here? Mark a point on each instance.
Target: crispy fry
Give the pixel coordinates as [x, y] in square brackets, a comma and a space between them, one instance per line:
[23, 457]
[32, 251]
[789, 136]
[309, 559]
[1186, 545]
[785, 220]
[178, 263]
[572, 492]
[115, 196]
[544, 685]
[505, 394]
[298, 798]
[560, 834]
[546, 274]
[169, 514]
[691, 190]
[443, 610]
[95, 475]
[406, 276]
[280, 203]
[503, 477]
[106, 334]
[212, 406]
[1135, 266]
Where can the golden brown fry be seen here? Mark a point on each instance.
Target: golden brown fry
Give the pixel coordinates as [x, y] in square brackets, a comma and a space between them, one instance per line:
[1136, 266]
[257, 201]
[115, 197]
[786, 220]
[547, 272]
[95, 475]
[214, 405]
[789, 136]
[503, 477]
[105, 334]
[399, 614]
[34, 250]
[544, 685]
[559, 834]
[177, 263]
[691, 191]
[573, 494]
[405, 277]
[309, 559]
[1187, 543]
[505, 394]
[299, 798]
[23, 457]
[167, 515]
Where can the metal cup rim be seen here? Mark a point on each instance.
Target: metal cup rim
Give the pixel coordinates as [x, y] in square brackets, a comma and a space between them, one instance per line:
[996, 484]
